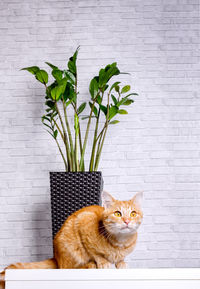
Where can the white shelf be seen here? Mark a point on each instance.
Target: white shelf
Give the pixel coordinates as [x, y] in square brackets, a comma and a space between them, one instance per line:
[106, 279]
[105, 274]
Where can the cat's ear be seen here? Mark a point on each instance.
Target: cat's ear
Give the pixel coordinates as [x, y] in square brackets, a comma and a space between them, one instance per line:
[138, 199]
[107, 199]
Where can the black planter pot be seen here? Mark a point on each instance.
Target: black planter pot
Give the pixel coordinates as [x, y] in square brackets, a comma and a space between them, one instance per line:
[71, 191]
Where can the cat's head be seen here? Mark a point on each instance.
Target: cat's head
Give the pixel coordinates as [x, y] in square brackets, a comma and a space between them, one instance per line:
[122, 217]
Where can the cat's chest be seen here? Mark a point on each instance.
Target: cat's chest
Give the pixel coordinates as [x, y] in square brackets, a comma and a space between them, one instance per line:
[117, 254]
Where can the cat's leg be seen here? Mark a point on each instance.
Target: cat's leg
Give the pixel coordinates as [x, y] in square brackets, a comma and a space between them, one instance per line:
[102, 263]
[121, 265]
[89, 265]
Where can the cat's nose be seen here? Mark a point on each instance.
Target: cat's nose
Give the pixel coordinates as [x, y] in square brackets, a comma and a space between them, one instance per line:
[126, 221]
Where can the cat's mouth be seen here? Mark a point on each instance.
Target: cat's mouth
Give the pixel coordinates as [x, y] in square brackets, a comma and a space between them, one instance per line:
[126, 228]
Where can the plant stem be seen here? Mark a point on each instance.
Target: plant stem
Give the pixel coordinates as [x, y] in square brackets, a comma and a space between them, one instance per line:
[58, 128]
[94, 143]
[76, 153]
[86, 134]
[100, 150]
[70, 136]
[66, 166]
[102, 134]
[65, 139]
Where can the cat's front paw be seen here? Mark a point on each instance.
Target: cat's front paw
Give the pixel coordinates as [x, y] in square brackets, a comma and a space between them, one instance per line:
[104, 265]
[121, 265]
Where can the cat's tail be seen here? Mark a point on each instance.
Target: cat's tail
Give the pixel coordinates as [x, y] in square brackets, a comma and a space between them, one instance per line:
[46, 264]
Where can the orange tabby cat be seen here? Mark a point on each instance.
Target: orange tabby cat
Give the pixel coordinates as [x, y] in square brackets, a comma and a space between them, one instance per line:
[95, 237]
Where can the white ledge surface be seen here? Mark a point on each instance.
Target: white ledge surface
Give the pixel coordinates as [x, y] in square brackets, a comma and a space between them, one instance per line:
[103, 274]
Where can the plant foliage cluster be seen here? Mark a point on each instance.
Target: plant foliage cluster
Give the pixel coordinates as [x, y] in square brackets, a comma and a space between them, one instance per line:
[63, 92]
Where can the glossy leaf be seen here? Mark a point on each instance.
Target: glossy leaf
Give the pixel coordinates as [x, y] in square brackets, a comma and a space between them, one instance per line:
[57, 74]
[99, 99]
[68, 102]
[102, 75]
[114, 122]
[45, 118]
[70, 76]
[103, 108]
[114, 85]
[113, 111]
[72, 62]
[81, 108]
[32, 69]
[47, 125]
[55, 134]
[50, 104]
[122, 111]
[114, 99]
[42, 76]
[125, 89]
[69, 93]
[72, 67]
[95, 111]
[57, 92]
[93, 88]
[128, 102]
[117, 88]
[51, 65]
[122, 101]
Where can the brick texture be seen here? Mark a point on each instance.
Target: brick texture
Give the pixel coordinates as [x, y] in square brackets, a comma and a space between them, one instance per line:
[154, 149]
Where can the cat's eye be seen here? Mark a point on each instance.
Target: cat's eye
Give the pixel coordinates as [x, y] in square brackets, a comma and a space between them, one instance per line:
[117, 214]
[133, 214]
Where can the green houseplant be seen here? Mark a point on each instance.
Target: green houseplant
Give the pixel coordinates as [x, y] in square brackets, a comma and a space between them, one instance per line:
[106, 102]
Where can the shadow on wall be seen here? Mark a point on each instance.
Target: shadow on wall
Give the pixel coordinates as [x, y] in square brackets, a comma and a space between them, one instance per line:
[42, 242]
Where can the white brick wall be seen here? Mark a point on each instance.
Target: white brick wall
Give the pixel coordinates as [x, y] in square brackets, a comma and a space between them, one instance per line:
[155, 149]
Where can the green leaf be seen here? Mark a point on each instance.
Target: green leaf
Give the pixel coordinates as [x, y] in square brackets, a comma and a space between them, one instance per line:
[47, 125]
[72, 62]
[32, 69]
[50, 134]
[105, 74]
[112, 111]
[81, 108]
[128, 102]
[103, 108]
[122, 101]
[117, 88]
[114, 99]
[72, 67]
[69, 92]
[42, 76]
[125, 89]
[70, 76]
[50, 103]
[122, 111]
[93, 88]
[57, 92]
[102, 76]
[99, 99]
[57, 74]
[55, 133]
[114, 84]
[114, 122]
[51, 65]
[45, 118]
[132, 94]
[95, 111]
[68, 102]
